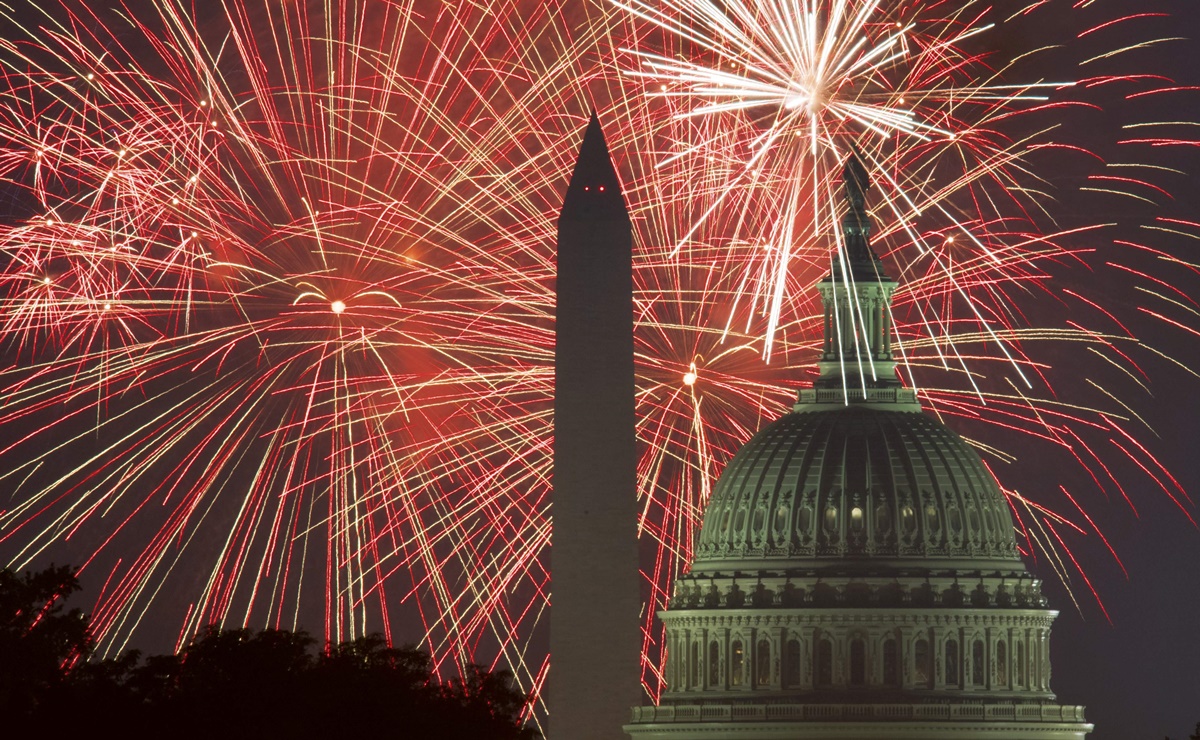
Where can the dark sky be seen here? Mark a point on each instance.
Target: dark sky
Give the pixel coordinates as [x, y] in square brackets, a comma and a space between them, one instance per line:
[1139, 675]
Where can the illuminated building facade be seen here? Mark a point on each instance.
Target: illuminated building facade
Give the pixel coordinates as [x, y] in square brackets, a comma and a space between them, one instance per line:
[857, 573]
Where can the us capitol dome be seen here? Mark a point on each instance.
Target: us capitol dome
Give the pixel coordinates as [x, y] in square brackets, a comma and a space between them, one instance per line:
[857, 574]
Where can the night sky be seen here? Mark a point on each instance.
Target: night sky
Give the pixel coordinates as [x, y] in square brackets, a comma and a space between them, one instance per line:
[1139, 676]
[1138, 670]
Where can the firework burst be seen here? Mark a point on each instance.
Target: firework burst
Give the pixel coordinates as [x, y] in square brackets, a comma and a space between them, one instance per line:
[278, 299]
[278, 340]
[754, 108]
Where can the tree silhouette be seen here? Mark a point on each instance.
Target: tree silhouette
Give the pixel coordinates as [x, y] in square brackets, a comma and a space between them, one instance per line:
[232, 683]
[38, 637]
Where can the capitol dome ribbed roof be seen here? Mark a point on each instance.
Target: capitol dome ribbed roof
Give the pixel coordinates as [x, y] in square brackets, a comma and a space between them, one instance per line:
[856, 486]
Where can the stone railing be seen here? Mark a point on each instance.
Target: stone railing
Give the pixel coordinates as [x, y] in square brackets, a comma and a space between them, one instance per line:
[698, 591]
[808, 396]
[856, 712]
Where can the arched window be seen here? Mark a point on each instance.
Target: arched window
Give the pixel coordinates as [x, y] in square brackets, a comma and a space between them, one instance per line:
[694, 662]
[883, 521]
[804, 521]
[737, 663]
[951, 661]
[891, 663]
[977, 663]
[824, 663]
[908, 520]
[781, 519]
[858, 662]
[762, 663]
[955, 519]
[714, 664]
[931, 519]
[923, 663]
[791, 664]
[676, 664]
[1018, 664]
[831, 519]
[1001, 663]
[1033, 658]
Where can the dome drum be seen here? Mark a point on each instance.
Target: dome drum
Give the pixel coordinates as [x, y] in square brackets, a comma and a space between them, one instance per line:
[874, 656]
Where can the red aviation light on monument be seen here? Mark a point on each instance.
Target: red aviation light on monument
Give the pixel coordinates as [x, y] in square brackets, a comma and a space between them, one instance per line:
[594, 192]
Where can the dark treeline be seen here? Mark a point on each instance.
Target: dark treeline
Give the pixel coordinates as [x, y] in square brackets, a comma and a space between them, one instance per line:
[229, 683]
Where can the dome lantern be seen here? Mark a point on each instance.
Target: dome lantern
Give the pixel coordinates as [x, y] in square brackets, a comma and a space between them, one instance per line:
[856, 364]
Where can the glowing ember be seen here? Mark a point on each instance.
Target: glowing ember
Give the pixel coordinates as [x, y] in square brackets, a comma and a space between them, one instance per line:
[689, 378]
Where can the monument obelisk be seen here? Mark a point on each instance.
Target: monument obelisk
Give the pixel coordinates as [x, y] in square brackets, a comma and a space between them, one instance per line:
[594, 580]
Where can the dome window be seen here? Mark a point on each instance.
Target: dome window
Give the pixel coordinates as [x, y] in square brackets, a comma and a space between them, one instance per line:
[883, 520]
[931, 518]
[804, 521]
[891, 663]
[951, 662]
[1019, 664]
[856, 518]
[955, 520]
[791, 664]
[714, 665]
[737, 663]
[1001, 663]
[831, 518]
[824, 664]
[923, 663]
[908, 521]
[977, 663]
[781, 519]
[762, 662]
[858, 662]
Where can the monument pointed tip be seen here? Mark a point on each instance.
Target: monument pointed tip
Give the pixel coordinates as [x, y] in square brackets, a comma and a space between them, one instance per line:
[594, 191]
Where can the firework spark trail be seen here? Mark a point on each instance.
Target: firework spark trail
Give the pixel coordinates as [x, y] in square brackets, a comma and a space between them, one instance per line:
[279, 314]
